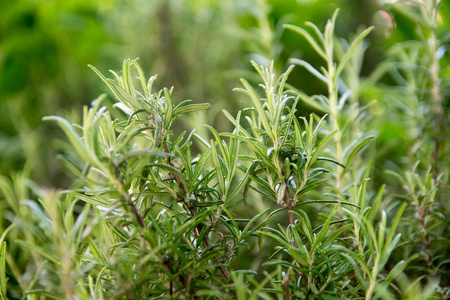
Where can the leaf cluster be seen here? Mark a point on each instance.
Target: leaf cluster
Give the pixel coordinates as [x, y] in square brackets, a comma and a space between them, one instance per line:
[151, 217]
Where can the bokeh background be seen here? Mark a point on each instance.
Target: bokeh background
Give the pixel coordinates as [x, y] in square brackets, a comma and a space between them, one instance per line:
[201, 47]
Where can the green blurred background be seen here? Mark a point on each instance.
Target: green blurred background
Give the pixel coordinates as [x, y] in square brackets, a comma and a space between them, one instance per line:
[201, 47]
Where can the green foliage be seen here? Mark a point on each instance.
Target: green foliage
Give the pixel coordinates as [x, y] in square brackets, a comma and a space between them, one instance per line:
[288, 204]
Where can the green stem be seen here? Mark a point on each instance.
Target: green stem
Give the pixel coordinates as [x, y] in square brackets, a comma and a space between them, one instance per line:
[334, 119]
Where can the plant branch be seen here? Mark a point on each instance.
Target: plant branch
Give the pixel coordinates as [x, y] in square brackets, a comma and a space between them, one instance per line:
[287, 294]
[134, 209]
[289, 207]
[120, 184]
[192, 211]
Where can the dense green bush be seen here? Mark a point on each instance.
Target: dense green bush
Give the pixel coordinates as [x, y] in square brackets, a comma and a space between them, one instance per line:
[347, 202]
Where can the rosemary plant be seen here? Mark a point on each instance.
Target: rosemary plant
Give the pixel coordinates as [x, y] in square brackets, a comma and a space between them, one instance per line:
[154, 214]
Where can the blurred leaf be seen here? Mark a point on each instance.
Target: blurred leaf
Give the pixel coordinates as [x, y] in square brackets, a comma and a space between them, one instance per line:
[3, 279]
[44, 293]
[353, 150]
[40, 250]
[192, 107]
